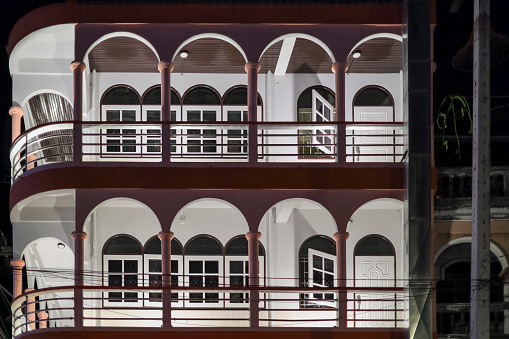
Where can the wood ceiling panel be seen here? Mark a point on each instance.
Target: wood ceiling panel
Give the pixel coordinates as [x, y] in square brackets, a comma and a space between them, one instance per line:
[269, 59]
[210, 55]
[123, 54]
[380, 55]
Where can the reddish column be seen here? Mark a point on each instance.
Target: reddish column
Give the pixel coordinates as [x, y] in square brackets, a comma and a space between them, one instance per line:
[30, 310]
[340, 239]
[165, 69]
[79, 268]
[17, 277]
[77, 72]
[166, 238]
[252, 69]
[253, 245]
[16, 113]
[43, 319]
[339, 69]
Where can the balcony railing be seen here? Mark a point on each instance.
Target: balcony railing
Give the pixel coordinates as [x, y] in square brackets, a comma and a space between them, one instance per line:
[208, 142]
[219, 307]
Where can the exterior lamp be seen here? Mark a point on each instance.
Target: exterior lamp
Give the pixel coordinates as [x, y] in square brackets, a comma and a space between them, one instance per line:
[356, 54]
[61, 245]
[184, 54]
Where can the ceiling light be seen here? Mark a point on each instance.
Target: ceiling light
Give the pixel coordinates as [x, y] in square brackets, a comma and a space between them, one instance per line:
[184, 54]
[61, 245]
[356, 54]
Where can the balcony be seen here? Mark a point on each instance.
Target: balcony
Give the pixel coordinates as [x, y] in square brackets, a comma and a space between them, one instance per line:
[191, 142]
[136, 307]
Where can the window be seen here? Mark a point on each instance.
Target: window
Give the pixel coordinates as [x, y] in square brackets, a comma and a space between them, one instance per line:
[237, 269]
[317, 267]
[122, 267]
[153, 270]
[121, 104]
[201, 104]
[204, 265]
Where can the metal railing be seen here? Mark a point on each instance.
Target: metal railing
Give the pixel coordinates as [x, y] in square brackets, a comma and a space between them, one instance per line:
[103, 306]
[208, 142]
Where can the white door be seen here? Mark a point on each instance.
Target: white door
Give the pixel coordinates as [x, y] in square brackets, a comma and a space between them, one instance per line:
[323, 137]
[321, 273]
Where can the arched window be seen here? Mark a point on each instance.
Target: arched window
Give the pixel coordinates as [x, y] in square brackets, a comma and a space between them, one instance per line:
[121, 104]
[153, 269]
[122, 267]
[204, 264]
[235, 110]
[317, 268]
[237, 268]
[151, 111]
[374, 104]
[316, 104]
[201, 104]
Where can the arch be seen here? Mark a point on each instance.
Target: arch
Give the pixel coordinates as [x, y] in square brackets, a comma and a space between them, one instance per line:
[132, 97]
[43, 91]
[237, 95]
[239, 246]
[493, 248]
[122, 244]
[152, 96]
[373, 95]
[303, 36]
[374, 245]
[203, 244]
[119, 34]
[377, 35]
[199, 94]
[211, 35]
[153, 246]
[305, 95]
[321, 243]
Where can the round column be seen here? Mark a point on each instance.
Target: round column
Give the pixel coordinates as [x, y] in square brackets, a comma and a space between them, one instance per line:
[165, 68]
[17, 277]
[340, 239]
[30, 310]
[252, 69]
[79, 256]
[43, 319]
[253, 244]
[16, 113]
[339, 69]
[78, 68]
[166, 237]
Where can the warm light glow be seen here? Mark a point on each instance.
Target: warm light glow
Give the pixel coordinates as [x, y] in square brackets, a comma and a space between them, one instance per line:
[356, 54]
[184, 54]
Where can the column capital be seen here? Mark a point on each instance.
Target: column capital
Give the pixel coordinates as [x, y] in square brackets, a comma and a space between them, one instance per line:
[165, 235]
[78, 64]
[16, 111]
[17, 264]
[252, 235]
[339, 67]
[42, 315]
[341, 236]
[433, 67]
[251, 64]
[165, 64]
[79, 235]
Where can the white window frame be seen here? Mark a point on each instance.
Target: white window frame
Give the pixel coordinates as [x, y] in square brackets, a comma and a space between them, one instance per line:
[201, 138]
[175, 133]
[311, 296]
[180, 279]
[317, 115]
[122, 302]
[227, 274]
[105, 137]
[220, 274]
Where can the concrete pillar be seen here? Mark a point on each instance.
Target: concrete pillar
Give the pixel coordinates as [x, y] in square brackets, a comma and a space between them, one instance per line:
[79, 268]
[77, 72]
[165, 68]
[253, 245]
[339, 69]
[30, 309]
[340, 239]
[417, 107]
[16, 113]
[17, 277]
[252, 69]
[43, 319]
[480, 274]
[166, 238]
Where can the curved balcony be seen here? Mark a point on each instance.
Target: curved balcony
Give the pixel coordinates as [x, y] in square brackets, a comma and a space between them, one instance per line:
[162, 143]
[78, 308]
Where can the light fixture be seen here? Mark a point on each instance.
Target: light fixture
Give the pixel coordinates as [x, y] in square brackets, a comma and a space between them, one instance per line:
[356, 54]
[182, 219]
[184, 54]
[61, 245]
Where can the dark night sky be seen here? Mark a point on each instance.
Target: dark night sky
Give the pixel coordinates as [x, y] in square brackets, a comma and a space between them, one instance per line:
[452, 32]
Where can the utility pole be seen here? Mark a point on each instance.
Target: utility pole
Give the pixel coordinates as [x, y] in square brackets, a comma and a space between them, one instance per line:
[480, 275]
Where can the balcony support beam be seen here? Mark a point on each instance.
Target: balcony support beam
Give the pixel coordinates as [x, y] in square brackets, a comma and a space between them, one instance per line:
[79, 278]
[339, 69]
[78, 68]
[252, 69]
[165, 68]
[166, 237]
[253, 245]
[340, 239]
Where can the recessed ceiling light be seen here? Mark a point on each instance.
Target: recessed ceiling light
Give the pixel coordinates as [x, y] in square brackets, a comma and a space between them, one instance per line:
[356, 54]
[61, 245]
[184, 54]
